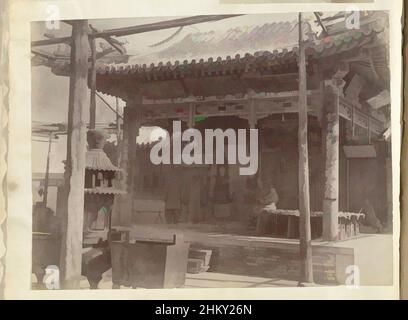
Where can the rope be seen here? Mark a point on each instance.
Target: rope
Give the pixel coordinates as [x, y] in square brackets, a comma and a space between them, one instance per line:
[167, 39]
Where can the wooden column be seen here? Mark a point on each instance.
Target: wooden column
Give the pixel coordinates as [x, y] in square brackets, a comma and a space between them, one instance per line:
[305, 238]
[333, 90]
[92, 109]
[191, 115]
[60, 201]
[71, 248]
[252, 118]
[119, 123]
[47, 172]
[123, 207]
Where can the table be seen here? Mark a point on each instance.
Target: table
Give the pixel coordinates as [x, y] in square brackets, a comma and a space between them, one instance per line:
[283, 223]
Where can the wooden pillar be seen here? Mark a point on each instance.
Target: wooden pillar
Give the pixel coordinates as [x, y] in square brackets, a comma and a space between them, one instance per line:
[123, 207]
[252, 124]
[92, 109]
[305, 237]
[71, 248]
[47, 172]
[60, 200]
[191, 115]
[252, 119]
[333, 90]
[119, 123]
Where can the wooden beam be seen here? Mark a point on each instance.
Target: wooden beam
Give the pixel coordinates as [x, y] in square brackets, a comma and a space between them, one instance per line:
[73, 213]
[43, 54]
[260, 96]
[47, 42]
[276, 76]
[305, 239]
[109, 106]
[120, 32]
[320, 23]
[117, 45]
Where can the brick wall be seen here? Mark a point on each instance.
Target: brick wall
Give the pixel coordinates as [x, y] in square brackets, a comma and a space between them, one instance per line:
[329, 263]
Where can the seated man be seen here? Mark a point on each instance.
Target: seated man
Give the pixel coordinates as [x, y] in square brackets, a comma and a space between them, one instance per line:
[371, 224]
[266, 203]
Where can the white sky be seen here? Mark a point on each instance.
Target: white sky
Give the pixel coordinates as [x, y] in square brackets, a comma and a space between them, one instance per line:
[50, 92]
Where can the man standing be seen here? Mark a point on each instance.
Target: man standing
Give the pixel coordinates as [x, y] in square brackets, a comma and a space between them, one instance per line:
[173, 195]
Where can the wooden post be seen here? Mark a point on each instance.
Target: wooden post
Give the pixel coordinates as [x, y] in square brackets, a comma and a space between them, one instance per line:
[47, 172]
[123, 163]
[191, 115]
[92, 109]
[331, 136]
[305, 238]
[71, 248]
[252, 118]
[118, 126]
[123, 206]
[369, 128]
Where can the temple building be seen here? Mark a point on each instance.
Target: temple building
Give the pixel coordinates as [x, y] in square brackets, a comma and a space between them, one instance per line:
[348, 114]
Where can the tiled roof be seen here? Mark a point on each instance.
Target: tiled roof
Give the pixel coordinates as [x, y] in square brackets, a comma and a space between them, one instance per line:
[315, 49]
[239, 40]
[96, 159]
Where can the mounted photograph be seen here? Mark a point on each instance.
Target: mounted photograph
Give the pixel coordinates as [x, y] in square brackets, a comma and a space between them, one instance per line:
[212, 151]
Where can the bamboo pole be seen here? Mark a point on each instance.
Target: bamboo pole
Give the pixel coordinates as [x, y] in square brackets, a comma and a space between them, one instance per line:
[306, 270]
[71, 248]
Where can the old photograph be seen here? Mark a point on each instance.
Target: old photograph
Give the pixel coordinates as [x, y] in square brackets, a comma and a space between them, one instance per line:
[212, 151]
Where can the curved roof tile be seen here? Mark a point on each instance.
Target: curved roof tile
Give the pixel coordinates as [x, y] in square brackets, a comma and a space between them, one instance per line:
[319, 48]
[96, 159]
